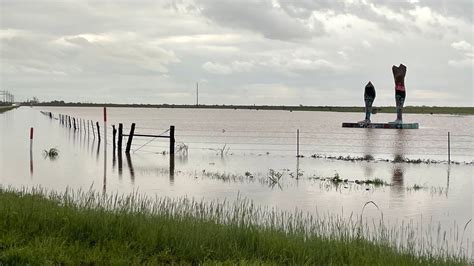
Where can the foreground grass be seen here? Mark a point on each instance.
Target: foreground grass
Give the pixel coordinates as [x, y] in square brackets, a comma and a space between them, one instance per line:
[85, 228]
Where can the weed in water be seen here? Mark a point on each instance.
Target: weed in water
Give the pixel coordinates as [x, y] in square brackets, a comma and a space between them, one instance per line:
[52, 153]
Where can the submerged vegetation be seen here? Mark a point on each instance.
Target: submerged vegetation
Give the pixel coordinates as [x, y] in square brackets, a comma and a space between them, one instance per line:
[336, 179]
[396, 159]
[52, 153]
[76, 227]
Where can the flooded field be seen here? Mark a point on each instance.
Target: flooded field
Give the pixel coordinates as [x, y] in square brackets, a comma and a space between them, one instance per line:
[230, 154]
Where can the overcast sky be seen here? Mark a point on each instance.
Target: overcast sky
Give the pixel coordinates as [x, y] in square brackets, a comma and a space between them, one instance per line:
[275, 52]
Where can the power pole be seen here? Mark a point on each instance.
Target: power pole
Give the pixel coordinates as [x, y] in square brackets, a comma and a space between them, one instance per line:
[197, 93]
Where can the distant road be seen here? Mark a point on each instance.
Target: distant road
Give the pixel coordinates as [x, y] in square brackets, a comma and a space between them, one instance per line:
[385, 109]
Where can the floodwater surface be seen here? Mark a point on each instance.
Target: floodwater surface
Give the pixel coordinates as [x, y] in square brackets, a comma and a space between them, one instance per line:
[225, 154]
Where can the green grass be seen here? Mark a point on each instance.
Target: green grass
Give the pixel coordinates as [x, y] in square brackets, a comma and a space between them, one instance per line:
[5, 108]
[39, 227]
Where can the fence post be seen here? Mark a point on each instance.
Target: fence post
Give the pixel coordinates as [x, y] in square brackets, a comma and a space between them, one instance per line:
[31, 150]
[130, 138]
[449, 148]
[297, 143]
[114, 132]
[31, 141]
[74, 120]
[105, 128]
[120, 137]
[172, 140]
[69, 119]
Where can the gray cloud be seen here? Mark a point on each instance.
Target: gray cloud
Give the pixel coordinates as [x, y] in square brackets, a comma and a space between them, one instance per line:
[259, 16]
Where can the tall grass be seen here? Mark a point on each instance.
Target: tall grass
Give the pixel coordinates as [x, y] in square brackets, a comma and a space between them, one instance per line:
[81, 227]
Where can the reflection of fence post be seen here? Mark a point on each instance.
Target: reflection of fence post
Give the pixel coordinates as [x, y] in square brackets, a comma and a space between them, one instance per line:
[98, 130]
[130, 138]
[92, 128]
[297, 143]
[120, 137]
[449, 149]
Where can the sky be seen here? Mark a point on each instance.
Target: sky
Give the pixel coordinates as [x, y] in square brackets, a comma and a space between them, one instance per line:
[270, 52]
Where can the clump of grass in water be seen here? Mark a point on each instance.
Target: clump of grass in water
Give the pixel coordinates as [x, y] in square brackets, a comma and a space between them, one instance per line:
[52, 153]
[81, 227]
[274, 178]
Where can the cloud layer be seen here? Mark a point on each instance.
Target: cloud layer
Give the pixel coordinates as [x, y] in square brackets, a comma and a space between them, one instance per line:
[241, 52]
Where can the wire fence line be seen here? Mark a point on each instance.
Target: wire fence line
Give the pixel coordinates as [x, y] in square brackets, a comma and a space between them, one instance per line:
[271, 140]
[286, 141]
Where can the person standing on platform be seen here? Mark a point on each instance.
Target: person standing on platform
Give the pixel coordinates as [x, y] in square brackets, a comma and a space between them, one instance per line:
[369, 97]
[399, 78]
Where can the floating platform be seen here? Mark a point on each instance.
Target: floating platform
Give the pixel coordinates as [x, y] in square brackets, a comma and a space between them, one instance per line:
[382, 125]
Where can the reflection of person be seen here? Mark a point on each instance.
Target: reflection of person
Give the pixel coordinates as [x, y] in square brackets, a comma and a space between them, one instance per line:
[399, 78]
[369, 97]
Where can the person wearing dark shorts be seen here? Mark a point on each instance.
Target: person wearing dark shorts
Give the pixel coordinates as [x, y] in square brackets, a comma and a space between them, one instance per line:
[369, 97]
[399, 78]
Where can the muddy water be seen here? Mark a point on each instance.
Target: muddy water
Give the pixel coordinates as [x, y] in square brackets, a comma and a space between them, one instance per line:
[230, 153]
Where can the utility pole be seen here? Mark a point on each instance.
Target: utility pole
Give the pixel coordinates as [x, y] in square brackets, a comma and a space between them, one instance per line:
[197, 93]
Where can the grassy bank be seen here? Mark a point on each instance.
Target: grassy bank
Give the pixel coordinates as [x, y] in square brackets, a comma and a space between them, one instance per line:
[357, 109]
[37, 227]
[6, 108]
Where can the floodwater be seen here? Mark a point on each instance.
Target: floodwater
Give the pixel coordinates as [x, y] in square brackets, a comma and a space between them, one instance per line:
[230, 154]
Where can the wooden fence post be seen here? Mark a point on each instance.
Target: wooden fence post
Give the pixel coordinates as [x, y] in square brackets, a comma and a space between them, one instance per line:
[74, 120]
[120, 137]
[172, 141]
[114, 132]
[98, 130]
[31, 150]
[130, 138]
[105, 128]
[69, 118]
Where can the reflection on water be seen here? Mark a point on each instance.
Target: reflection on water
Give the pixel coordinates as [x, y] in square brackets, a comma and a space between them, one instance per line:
[368, 151]
[130, 167]
[397, 189]
[120, 167]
